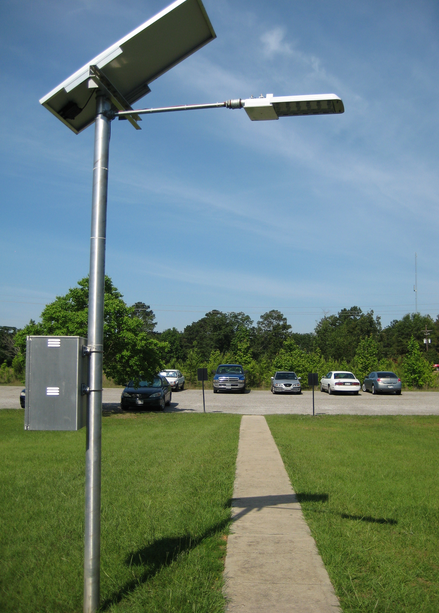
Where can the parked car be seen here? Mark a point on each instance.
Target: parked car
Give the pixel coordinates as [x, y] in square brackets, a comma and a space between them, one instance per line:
[229, 377]
[147, 394]
[340, 381]
[382, 381]
[285, 382]
[175, 378]
[22, 398]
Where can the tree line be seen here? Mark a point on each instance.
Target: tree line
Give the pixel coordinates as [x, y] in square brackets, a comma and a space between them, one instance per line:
[351, 340]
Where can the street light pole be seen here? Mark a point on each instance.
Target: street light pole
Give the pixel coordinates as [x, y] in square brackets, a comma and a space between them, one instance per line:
[95, 350]
[116, 79]
[257, 109]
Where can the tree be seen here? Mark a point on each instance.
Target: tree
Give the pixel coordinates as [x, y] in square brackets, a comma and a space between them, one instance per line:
[214, 331]
[174, 353]
[396, 336]
[240, 347]
[129, 351]
[193, 363]
[208, 333]
[146, 315]
[417, 371]
[305, 341]
[7, 347]
[272, 330]
[366, 357]
[291, 357]
[338, 336]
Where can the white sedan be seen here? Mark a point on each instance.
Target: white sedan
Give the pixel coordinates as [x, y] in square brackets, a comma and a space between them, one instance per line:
[175, 379]
[340, 381]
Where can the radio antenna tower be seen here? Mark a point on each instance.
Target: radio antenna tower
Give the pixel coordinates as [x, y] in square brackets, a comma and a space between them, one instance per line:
[415, 287]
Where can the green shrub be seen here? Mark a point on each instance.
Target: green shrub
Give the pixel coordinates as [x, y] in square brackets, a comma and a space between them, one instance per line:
[417, 371]
[6, 374]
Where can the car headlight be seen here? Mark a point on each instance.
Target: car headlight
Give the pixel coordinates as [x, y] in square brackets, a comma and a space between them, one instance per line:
[156, 395]
[126, 395]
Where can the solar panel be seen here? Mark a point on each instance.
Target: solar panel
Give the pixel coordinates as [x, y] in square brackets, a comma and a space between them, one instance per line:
[133, 62]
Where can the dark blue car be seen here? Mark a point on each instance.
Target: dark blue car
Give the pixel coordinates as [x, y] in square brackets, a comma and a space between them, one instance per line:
[154, 394]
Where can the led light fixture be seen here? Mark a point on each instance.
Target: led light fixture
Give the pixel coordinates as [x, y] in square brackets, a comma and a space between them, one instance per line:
[271, 107]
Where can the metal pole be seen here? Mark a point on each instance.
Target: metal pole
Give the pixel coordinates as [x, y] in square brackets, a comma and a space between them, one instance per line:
[95, 346]
[313, 401]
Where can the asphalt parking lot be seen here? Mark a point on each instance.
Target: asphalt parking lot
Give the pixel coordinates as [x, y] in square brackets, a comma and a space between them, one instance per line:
[265, 403]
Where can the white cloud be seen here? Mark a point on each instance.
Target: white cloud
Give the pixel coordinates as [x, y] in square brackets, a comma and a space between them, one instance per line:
[274, 43]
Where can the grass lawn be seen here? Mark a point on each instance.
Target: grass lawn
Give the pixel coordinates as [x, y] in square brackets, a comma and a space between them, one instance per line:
[167, 480]
[369, 488]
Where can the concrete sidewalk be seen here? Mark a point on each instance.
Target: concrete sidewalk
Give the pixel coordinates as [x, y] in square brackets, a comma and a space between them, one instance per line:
[272, 563]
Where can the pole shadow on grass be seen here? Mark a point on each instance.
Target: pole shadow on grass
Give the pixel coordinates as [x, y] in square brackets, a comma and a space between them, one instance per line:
[307, 497]
[368, 518]
[157, 556]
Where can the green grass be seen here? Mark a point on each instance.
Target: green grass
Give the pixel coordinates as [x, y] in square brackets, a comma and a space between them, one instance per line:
[167, 480]
[369, 488]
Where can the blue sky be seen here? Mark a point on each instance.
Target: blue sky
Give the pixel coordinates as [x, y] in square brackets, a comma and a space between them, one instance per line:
[208, 210]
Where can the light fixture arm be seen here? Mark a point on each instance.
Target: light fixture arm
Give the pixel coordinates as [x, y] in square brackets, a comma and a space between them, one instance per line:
[230, 104]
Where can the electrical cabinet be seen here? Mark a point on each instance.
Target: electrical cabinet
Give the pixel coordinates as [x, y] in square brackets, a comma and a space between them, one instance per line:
[56, 378]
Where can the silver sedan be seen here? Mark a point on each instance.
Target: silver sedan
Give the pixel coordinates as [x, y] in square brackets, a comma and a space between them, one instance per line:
[286, 382]
[382, 381]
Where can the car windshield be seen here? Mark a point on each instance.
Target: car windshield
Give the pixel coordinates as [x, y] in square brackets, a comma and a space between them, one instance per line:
[156, 383]
[286, 375]
[227, 370]
[386, 375]
[343, 375]
[170, 373]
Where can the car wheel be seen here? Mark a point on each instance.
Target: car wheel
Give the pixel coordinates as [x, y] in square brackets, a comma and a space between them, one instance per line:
[215, 390]
[177, 388]
[373, 389]
[162, 404]
[330, 390]
[123, 406]
[243, 390]
[321, 388]
[182, 386]
[363, 387]
[169, 401]
[272, 390]
[398, 393]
